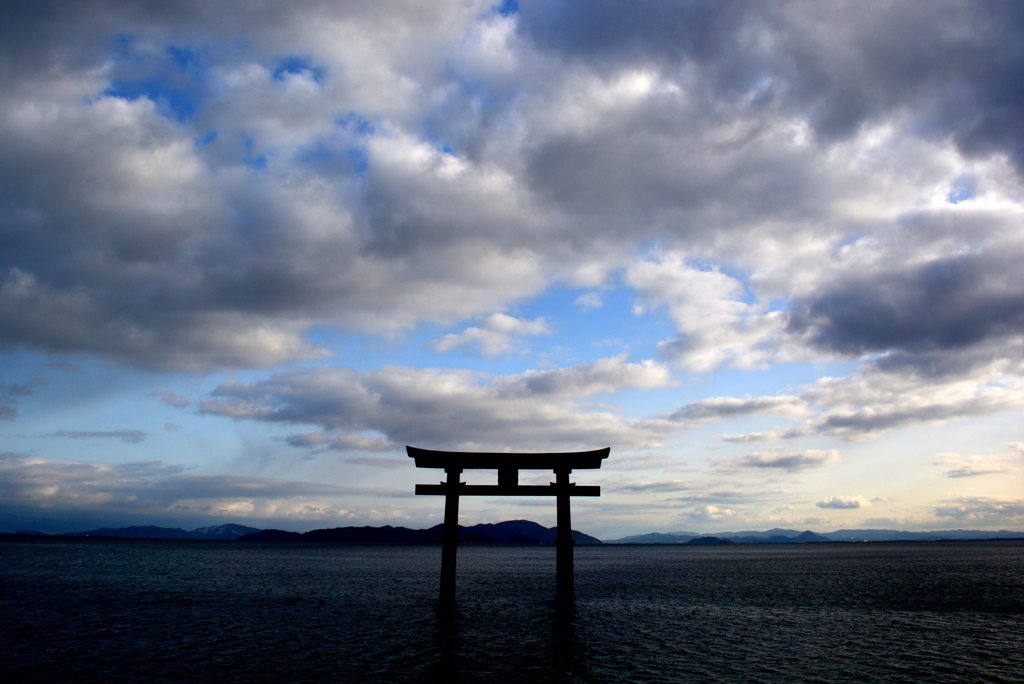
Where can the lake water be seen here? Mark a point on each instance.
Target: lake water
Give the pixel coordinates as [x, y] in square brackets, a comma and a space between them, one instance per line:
[90, 610]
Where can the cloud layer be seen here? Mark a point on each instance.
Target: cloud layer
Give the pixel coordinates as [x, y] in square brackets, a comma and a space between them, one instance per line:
[761, 188]
[173, 202]
[538, 410]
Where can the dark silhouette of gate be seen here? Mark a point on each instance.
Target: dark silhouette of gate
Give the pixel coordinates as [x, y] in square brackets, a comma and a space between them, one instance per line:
[508, 467]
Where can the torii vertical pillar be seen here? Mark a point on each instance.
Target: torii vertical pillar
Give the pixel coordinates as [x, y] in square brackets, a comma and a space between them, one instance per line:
[450, 536]
[564, 591]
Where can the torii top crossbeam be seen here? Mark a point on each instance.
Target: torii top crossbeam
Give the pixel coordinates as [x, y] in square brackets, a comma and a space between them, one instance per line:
[508, 467]
[575, 460]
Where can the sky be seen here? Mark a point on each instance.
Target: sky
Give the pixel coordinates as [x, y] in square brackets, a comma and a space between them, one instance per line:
[767, 252]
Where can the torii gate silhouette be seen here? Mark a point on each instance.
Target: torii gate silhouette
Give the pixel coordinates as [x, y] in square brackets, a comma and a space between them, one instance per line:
[508, 467]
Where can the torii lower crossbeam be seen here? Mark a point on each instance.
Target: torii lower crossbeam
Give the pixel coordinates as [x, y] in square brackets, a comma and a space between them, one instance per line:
[508, 467]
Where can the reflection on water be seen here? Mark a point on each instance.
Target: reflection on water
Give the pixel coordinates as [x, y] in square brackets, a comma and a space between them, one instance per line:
[552, 653]
[128, 610]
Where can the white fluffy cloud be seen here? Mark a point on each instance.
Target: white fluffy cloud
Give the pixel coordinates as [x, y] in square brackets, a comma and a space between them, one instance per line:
[715, 324]
[843, 502]
[496, 335]
[710, 513]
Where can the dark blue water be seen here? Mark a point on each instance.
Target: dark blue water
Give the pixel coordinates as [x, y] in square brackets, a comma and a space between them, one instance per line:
[128, 610]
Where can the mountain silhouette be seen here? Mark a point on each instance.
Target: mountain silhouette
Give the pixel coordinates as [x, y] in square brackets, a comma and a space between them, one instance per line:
[508, 532]
[224, 532]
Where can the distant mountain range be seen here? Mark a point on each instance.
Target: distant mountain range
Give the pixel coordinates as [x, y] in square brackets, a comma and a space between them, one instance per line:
[522, 532]
[779, 536]
[224, 532]
[508, 532]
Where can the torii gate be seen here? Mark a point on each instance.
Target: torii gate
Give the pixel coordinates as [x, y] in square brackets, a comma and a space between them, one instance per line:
[508, 467]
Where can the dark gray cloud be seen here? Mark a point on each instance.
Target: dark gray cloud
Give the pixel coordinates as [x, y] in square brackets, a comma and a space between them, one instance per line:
[947, 303]
[958, 65]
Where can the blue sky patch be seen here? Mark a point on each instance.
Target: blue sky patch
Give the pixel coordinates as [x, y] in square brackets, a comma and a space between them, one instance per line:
[356, 123]
[963, 189]
[360, 162]
[296, 65]
[170, 101]
[173, 82]
[507, 7]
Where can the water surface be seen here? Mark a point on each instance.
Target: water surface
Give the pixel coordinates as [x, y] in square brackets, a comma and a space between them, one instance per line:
[90, 610]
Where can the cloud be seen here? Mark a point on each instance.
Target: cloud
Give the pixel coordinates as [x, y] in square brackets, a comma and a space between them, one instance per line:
[778, 56]
[170, 398]
[707, 306]
[945, 303]
[876, 398]
[149, 488]
[754, 437]
[207, 211]
[982, 510]
[959, 466]
[496, 336]
[586, 379]
[710, 513]
[129, 436]
[723, 408]
[738, 496]
[590, 300]
[790, 462]
[664, 486]
[343, 442]
[24, 389]
[195, 189]
[9, 394]
[533, 410]
[844, 502]
[379, 462]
